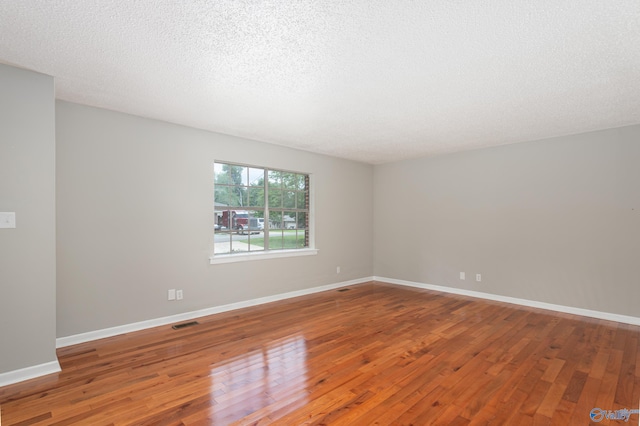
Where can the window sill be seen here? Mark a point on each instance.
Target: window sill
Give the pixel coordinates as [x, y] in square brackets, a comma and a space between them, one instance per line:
[247, 257]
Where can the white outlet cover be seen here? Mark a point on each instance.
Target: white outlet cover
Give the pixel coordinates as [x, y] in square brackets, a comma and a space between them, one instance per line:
[171, 294]
[478, 277]
[7, 220]
[462, 276]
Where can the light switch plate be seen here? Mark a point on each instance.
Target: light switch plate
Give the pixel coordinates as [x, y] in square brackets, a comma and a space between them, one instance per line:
[7, 219]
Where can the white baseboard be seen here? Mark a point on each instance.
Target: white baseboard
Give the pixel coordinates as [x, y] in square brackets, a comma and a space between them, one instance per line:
[137, 326]
[524, 302]
[27, 373]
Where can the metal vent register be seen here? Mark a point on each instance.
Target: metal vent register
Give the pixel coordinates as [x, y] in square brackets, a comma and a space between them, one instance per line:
[184, 324]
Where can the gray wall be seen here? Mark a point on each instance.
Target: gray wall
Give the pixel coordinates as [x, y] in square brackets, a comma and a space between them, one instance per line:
[555, 221]
[135, 216]
[27, 187]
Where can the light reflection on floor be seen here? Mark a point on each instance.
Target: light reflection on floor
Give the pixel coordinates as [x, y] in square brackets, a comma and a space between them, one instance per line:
[268, 379]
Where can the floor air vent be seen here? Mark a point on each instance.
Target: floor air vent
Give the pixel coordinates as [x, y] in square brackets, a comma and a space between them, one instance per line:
[184, 324]
[344, 289]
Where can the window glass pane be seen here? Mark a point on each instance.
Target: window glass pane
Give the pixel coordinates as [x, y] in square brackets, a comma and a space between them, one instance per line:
[275, 179]
[221, 196]
[224, 219]
[275, 240]
[301, 202]
[289, 180]
[300, 182]
[275, 220]
[245, 221]
[220, 174]
[256, 177]
[302, 220]
[275, 198]
[289, 219]
[238, 196]
[259, 217]
[289, 200]
[254, 222]
[238, 175]
[222, 242]
[256, 197]
[289, 239]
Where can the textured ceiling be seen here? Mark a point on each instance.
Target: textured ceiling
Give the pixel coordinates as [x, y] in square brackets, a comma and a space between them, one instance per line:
[374, 81]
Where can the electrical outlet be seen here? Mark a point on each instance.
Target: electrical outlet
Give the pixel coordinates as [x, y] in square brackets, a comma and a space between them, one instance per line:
[478, 277]
[462, 276]
[171, 294]
[338, 270]
[7, 219]
[179, 295]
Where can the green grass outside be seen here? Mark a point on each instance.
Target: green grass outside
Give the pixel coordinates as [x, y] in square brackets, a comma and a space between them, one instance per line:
[288, 241]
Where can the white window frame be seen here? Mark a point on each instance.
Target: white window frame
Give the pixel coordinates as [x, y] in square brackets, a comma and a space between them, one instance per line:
[271, 254]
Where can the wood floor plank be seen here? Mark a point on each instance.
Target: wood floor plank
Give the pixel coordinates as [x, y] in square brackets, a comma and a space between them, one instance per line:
[376, 354]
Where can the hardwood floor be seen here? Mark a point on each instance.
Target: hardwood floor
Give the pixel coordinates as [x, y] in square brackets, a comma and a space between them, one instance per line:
[376, 354]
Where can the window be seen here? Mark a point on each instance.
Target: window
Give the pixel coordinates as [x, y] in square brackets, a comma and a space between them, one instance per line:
[260, 210]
